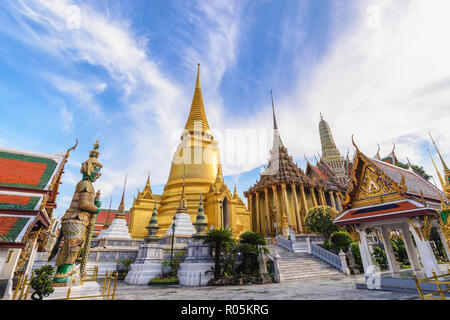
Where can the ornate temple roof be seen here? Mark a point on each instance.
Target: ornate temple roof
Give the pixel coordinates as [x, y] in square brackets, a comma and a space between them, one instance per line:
[281, 167]
[415, 183]
[28, 170]
[20, 201]
[392, 210]
[197, 113]
[12, 230]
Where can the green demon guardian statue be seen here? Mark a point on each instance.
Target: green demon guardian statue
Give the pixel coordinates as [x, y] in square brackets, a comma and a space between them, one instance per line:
[77, 224]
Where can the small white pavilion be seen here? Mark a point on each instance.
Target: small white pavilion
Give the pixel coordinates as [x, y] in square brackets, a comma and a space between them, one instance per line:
[388, 198]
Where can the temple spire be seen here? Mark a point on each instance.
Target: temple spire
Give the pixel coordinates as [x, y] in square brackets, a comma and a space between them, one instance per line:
[197, 117]
[275, 126]
[329, 149]
[147, 192]
[446, 170]
[121, 210]
[276, 133]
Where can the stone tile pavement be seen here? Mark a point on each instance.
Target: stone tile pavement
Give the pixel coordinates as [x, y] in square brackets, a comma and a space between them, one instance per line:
[335, 288]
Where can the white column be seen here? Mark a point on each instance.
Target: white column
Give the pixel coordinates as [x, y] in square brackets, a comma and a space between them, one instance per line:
[364, 250]
[410, 248]
[426, 254]
[393, 266]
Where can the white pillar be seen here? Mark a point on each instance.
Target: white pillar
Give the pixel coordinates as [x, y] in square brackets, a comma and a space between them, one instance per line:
[426, 253]
[364, 250]
[393, 266]
[410, 248]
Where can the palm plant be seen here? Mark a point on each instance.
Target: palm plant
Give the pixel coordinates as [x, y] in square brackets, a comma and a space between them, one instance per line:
[248, 247]
[220, 240]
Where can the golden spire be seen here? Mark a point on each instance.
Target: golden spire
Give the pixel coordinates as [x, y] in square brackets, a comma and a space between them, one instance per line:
[121, 210]
[235, 195]
[437, 171]
[197, 113]
[147, 192]
[219, 176]
[446, 170]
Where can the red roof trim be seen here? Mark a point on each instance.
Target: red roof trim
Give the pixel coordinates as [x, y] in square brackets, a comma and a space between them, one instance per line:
[12, 245]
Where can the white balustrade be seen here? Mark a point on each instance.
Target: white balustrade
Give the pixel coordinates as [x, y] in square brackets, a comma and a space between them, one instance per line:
[327, 256]
[285, 243]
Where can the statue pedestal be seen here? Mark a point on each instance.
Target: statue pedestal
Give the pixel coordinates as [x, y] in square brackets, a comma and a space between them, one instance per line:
[198, 261]
[147, 264]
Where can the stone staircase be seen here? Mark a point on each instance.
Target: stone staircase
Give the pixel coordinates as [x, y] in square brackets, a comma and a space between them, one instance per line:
[300, 266]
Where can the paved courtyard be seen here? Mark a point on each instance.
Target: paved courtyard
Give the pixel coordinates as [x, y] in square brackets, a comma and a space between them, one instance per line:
[338, 288]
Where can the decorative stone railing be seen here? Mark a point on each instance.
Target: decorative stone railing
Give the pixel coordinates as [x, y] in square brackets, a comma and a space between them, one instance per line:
[274, 258]
[337, 261]
[285, 243]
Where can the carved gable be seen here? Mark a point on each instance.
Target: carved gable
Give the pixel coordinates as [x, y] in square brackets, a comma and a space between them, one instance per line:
[369, 185]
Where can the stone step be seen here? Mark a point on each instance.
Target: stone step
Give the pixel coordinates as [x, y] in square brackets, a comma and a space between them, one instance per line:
[297, 268]
[309, 275]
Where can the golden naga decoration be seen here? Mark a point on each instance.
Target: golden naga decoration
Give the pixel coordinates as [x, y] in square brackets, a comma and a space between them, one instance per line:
[351, 230]
[423, 231]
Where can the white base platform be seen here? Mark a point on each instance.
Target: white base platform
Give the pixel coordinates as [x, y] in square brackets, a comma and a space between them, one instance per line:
[90, 288]
[142, 273]
[147, 265]
[194, 274]
[102, 268]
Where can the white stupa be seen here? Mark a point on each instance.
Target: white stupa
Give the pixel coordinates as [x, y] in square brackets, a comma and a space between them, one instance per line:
[114, 243]
[182, 220]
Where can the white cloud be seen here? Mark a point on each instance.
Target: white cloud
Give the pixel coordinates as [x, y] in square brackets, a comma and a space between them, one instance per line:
[384, 84]
[66, 118]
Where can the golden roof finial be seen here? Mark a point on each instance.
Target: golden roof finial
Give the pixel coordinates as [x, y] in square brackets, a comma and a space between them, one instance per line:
[197, 83]
[437, 171]
[439, 153]
[378, 152]
[197, 114]
[354, 144]
[304, 155]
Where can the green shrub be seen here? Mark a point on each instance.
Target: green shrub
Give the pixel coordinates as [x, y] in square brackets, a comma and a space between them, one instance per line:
[42, 282]
[341, 240]
[357, 254]
[159, 280]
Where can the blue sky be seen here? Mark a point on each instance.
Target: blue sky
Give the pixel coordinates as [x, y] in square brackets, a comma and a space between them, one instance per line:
[126, 74]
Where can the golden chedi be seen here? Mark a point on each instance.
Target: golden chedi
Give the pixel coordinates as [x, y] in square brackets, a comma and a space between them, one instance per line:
[197, 158]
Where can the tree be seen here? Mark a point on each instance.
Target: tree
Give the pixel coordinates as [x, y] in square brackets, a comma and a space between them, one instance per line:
[220, 240]
[320, 220]
[341, 241]
[420, 170]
